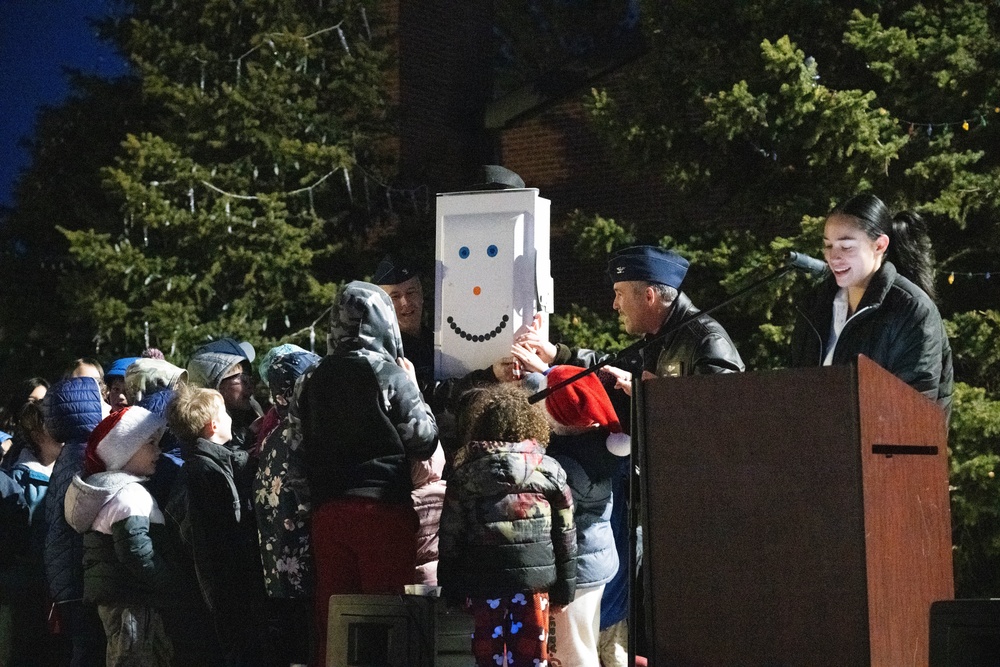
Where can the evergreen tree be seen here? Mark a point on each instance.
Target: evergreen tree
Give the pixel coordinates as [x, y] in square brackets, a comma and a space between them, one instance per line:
[62, 187]
[761, 116]
[235, 201]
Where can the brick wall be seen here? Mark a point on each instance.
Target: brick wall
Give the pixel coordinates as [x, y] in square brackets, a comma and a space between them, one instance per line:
[443, 86]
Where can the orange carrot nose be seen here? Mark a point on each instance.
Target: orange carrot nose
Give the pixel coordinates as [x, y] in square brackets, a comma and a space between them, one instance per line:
[476, 290]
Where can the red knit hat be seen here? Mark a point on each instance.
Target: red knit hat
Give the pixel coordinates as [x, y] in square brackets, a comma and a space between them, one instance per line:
[120, 435]
[584, 403]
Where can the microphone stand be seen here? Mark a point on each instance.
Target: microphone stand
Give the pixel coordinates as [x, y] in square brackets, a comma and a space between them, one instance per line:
[637, 509]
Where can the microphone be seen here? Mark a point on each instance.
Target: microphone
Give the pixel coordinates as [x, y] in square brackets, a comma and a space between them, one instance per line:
[806, 263]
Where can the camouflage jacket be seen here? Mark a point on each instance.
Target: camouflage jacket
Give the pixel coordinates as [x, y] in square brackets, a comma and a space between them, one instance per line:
[507, 524]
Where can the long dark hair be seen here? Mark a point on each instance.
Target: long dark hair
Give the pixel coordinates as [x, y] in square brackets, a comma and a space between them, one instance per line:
[10, 414]
[909, 245]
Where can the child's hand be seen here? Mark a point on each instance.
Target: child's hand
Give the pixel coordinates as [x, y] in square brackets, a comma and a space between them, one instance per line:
[528, 358]
[532, 339]
[557, 609]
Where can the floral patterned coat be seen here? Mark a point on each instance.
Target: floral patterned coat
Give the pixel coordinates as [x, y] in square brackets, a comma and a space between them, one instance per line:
[281, 499]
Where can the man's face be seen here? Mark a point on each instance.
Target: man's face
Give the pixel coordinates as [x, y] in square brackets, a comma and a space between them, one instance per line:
[236, 390]
[408, 302]
[635, 303]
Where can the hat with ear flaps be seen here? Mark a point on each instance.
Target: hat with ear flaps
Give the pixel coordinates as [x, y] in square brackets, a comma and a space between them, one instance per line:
[584, 403]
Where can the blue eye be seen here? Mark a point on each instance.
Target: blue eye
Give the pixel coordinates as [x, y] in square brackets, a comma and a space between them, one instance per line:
[463, 252]
[492, 251]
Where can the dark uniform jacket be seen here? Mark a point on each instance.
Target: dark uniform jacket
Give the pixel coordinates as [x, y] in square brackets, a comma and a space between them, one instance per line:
[700, 347]
[896, 325]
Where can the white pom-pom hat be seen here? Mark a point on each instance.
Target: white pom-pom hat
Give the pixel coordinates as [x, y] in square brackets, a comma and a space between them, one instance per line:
[119, 436]
[583, 404]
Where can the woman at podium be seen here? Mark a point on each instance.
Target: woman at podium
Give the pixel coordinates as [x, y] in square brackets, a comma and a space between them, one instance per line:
[878, 299]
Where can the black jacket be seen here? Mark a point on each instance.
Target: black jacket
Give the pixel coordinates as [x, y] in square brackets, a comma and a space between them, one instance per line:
[211, 510]
[359, 414]
[896, 325]
[698, 348]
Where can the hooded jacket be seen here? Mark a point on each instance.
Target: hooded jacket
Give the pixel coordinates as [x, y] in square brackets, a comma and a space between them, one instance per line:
[281, 492]
[359, 412]
[73, 408]
[507, 524]
[206, 369]
[590, 469]
[121, 524]
[896, 325]
[145, 377]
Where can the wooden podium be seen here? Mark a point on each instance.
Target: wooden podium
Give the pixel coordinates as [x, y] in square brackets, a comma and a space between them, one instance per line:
[793, 518]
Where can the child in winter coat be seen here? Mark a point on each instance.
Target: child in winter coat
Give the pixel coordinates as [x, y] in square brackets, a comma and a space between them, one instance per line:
[211, 509]
[73, 407]
[587, 442]
[282, 507]
[24, 634]
[361, 420]
[428, 499]
[125, 573]
[507, 539]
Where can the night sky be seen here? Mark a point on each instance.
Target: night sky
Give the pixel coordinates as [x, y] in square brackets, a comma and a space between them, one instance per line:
[38, 39]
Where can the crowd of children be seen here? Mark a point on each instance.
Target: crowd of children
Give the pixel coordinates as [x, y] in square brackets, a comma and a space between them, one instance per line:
[158, 515]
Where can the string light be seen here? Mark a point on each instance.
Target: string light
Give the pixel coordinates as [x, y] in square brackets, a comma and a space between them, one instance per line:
[952, 275]
[289, 193]
[978, 120]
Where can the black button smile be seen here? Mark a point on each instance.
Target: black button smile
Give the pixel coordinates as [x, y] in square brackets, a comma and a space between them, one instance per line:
[478, 338]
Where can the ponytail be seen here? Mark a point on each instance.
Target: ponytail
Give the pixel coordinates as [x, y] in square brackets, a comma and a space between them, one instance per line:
[910, 250]
[909, 245]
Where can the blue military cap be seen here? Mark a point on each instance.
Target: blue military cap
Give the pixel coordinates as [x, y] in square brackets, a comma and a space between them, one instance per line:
[648, 263]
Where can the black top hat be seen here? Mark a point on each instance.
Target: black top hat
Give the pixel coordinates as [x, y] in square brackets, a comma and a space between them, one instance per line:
[495, 177]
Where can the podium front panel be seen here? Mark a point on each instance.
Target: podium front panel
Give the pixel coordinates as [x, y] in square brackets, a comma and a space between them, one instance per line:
[755, 522]
[757, 489]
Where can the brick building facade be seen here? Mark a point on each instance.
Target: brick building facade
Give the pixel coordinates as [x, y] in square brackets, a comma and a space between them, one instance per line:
[445, 90]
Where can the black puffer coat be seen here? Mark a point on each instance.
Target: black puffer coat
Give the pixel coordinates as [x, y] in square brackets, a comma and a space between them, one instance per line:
[896, 325]
[507, 524]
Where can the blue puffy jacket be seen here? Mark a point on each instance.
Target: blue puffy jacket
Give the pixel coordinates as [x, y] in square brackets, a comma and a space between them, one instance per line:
[72, 408]
[169, 464]
[590, 469]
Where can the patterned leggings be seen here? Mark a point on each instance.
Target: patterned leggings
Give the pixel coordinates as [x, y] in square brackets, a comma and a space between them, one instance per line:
[513, 627]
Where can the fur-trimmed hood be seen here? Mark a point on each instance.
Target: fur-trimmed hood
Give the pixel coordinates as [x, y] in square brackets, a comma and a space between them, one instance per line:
[85, 498]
